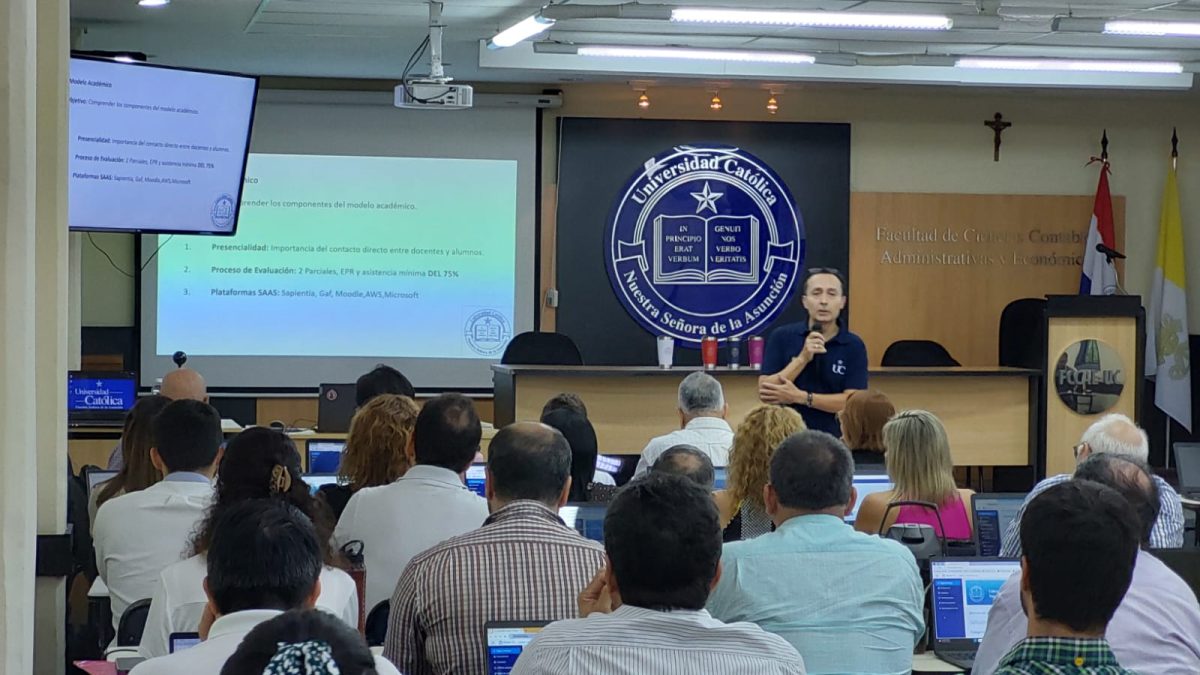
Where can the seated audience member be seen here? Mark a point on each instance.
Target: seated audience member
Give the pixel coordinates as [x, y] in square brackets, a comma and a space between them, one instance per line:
[376, 451]
[382, 380]
[305, 642]
[265, 559]
[137, 535]
[524, 563]
[581, 436]
[137, 472]
[564, 400]
[258, 463]
[425, 506]
[743, 513]
[687, 461]
[847, 601]
[178, 385]
[1156, 628]
[644, 611]
[702, 412]
[919, 464]
[1080, 543]
[1118, 435]
[862, 420]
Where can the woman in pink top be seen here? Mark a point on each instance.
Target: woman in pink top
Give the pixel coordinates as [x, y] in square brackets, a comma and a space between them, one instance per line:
[918, 462]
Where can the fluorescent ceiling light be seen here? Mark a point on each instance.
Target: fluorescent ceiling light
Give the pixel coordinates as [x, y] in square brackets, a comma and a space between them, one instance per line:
[125, 59]
[1089, 66]
[813, 19]
[153, 3]
[696, 54]
[518, 32]
[1153, 28]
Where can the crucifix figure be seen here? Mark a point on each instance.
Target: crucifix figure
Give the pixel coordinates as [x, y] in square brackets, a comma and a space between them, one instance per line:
[998, 125]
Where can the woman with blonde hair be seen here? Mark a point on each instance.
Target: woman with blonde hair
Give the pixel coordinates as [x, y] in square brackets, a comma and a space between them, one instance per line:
[919, 464]
[375, 449]
[866, 411]
[743, 512]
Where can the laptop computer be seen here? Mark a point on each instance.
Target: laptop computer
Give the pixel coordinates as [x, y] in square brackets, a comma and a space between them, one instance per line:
[505, 641]
[720, 477]
[1187, 464]
[335, 408]
[867, 484]
[962, 591]
[316, 481]
[95, 476]
[99, 399]
[324, 456]
[477, 478]
[181, 641]
[586, 517]
[993, 511]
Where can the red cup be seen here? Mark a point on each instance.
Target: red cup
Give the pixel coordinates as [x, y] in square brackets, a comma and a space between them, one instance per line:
[708, 352]
[754, 347]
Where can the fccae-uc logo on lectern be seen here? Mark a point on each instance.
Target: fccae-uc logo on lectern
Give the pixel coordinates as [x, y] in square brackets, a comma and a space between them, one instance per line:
[704, 240]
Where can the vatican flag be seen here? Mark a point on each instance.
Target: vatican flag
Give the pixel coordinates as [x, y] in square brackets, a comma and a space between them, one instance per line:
[1166, 325]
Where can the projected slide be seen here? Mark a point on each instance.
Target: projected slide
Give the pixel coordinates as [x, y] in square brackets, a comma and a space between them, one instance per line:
[156, 149]
[351, 256]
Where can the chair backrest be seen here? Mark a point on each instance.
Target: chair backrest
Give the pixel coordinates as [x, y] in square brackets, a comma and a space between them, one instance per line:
[377, 623]
[917, 353]
[1187, 462]
[133, 622]
[1023, 333]
[535, 348]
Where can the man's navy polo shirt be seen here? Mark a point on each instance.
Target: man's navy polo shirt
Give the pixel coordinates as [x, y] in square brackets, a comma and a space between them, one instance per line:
[843, 366]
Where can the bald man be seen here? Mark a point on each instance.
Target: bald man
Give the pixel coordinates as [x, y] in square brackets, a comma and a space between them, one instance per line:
[1117, 435]
[177, 385]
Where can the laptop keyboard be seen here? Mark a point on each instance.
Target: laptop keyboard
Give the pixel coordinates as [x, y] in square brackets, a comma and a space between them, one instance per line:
[963, 658]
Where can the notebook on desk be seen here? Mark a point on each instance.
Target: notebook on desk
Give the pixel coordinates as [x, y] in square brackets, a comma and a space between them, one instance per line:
[506, 640]
[961, 594]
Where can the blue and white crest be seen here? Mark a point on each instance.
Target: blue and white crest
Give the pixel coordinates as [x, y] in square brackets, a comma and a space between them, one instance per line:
[222, 211]
[704, 240]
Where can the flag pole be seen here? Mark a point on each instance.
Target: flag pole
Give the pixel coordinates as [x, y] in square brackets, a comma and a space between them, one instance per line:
[1167, 418]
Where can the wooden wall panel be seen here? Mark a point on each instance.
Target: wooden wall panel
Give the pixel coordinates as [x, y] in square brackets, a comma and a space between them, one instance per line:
[943, 266]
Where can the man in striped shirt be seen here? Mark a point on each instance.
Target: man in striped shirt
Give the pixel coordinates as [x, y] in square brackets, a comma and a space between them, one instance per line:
[1118, 435]
[645, 610]
[524, 564]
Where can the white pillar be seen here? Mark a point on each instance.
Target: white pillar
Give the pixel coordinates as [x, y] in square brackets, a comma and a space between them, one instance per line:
[33, 325]
[51, 319]
[18, 504]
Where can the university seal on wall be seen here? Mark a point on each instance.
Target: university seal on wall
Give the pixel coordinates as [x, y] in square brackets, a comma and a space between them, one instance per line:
[704, 240]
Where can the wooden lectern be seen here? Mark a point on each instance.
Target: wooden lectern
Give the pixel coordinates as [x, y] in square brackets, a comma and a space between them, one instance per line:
[1095, 351]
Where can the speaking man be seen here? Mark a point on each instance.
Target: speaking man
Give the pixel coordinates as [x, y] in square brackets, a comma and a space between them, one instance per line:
[815, 364]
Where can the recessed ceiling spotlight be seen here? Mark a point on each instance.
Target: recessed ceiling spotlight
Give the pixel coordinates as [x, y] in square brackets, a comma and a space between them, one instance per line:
[772, 104]
[716, 102]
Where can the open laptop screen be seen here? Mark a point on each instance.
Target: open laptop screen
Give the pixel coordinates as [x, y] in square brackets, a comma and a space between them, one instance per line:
[316, 481]
[868, 484]
[96, 477]
[324, 456]
[477, 477]
[963, 592]
[111, 394]
[505, 640]
[586, 517]
[993, 513]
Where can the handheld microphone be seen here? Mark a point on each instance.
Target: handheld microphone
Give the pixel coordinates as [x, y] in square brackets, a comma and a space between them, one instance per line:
[1109, 252]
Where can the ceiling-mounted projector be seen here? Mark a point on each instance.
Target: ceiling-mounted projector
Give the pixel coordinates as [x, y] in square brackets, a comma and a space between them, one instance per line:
[434, 94]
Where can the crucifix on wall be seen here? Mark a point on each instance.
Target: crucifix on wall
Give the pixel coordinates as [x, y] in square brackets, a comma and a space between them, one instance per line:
[998, 125]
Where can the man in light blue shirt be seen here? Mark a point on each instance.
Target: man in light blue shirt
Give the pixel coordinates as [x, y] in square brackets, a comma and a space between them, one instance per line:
[847, 601]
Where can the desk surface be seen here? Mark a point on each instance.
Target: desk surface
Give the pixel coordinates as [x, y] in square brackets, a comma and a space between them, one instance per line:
[586, 371]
